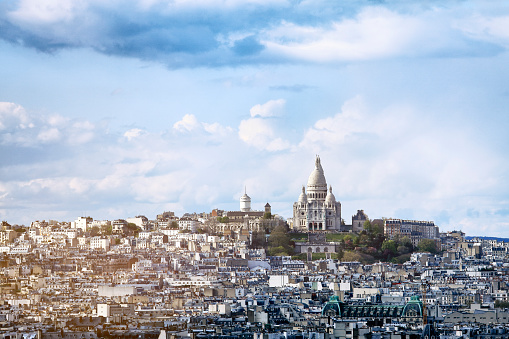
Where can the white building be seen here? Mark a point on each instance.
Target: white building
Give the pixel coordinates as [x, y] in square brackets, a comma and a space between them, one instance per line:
[139, 221]
[245, 203]
[317, 210]
[82, 223]
[188, 224]
[98, 242]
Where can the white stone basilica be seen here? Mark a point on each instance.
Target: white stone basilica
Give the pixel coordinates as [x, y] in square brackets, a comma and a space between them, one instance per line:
[318, 210]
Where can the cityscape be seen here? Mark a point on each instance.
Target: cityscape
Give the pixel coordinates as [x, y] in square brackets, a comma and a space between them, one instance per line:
[252, 274]
[258, 169]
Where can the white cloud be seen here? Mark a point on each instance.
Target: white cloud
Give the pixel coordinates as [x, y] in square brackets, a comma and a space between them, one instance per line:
[375, 33]
[82, 132]
[187, 124]
[79, 185]
[49, 135]
[271, 108]
[57, 120]
[133, 133]
[13, 116]
[336, 129]
[259, 133]
[493, 29]
[46, 11]
[217, 129]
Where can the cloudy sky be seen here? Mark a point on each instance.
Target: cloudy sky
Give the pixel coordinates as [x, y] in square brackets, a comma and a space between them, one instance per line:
[119, 108]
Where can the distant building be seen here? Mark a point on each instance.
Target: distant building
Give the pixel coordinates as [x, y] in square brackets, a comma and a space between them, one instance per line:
[188, 224]
[245, 202]
[317, 210]
[413, 229]
[82, 223]
[358, 221]
[246, 219]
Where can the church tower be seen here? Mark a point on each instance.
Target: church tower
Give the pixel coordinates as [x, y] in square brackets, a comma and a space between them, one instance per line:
[245, 202]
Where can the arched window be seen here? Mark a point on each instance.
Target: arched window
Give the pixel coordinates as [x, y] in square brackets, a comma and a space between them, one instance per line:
[326, 250]
[310, 250]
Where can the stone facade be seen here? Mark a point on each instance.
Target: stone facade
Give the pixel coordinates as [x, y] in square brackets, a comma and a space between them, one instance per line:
[317, 210]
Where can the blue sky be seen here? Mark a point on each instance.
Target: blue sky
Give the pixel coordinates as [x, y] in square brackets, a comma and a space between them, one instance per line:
[120, 108]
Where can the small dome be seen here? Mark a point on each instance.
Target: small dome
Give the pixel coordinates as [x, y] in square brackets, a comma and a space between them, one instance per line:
[317, 178]
[330, 198]
[303, 197]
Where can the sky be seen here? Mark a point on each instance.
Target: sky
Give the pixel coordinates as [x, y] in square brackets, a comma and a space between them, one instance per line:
[113, 109]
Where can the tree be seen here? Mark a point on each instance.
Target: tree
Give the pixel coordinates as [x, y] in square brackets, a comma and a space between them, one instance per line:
[351, 256]
[132, 229]
[390, 245]
[373, 228]
[223, 220]
[107, 229]
[427, 245]
[340, 252]
[279, 239]
[94, 231]
[258, 239]
[267, 215]
[405, 245]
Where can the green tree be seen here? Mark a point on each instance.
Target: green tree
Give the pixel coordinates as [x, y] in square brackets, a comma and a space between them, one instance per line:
[267, 215]
[132, 229]
[106, 229]
[501, 304]
[405, 245]
[174, 225]
[427, 245]
[340, 252]
[390, 245]
[351, 256]
[279, 238]
[223, 220]
[373, 228]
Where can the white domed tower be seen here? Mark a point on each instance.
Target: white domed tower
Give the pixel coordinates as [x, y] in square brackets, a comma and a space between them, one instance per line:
[330, 199]
[317, 185]
[317, 210]
[303, 199]
[245, 202]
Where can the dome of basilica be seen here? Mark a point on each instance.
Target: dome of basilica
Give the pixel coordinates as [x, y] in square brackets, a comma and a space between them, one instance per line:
[303, 197]
[330, 198]
[316, 179]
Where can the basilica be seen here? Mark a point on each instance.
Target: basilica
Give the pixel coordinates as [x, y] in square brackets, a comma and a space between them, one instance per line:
[317, 210]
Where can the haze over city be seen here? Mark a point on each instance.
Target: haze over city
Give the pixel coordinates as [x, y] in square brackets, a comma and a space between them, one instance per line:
[114, 110]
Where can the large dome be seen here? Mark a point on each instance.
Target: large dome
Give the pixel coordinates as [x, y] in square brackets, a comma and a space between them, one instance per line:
[316, 179]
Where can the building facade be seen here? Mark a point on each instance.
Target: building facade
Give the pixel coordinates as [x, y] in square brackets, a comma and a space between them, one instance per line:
[317, 209]
[413, 229]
